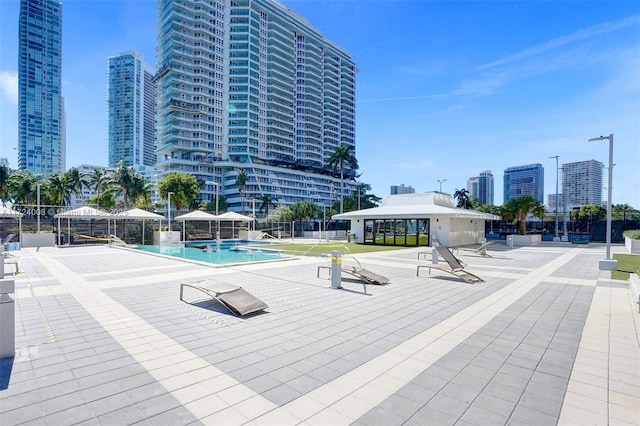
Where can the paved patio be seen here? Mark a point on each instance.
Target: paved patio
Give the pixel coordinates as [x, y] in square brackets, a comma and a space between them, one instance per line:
[102, 338]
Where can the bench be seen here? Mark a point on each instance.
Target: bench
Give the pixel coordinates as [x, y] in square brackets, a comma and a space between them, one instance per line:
[634, 287]
[200, 237]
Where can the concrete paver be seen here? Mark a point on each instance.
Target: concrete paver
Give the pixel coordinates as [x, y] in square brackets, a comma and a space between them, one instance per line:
[102, 338]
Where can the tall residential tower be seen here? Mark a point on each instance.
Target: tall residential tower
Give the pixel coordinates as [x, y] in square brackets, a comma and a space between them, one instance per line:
[582, 183]
[250, 87]
[131, 110]
[41, 118]
[524, 180]
[481, 187]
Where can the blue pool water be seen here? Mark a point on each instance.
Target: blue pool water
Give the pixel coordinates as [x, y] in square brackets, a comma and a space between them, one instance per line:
[229, 252]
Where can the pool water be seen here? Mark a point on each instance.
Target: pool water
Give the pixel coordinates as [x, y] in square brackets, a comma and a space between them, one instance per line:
[229, 252]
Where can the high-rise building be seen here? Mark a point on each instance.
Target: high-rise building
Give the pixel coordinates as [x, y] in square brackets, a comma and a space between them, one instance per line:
[524, 180]
[40, 104]
[131, 110]
[249, 88]
[481, 187]
[582, 183]
[402, 189]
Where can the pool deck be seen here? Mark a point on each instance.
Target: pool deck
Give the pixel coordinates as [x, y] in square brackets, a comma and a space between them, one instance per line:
[103, 339]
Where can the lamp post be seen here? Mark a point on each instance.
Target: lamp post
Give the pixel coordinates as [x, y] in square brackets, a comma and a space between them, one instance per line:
[441, 181]
[38, 208]
[169, 211]
[556, 238]
[608, 264]
[216, 185]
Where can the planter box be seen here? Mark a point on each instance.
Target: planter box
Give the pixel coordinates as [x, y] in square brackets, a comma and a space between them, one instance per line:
[524, 240]
[166, 238]
[633, 246]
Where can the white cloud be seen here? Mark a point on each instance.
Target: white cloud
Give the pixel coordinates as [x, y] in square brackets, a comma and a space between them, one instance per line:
[9, 86]
[561, 41]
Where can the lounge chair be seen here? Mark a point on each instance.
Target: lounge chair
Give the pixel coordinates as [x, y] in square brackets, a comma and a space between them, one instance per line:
[234, 298]
[10, 259]
[366, 275]
[359, 272]
[7, 239]
[482, 250]
[455, 266]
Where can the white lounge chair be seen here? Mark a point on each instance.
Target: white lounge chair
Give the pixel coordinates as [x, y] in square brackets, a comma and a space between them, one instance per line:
[236, 299]
[482, 250]
[455, 266]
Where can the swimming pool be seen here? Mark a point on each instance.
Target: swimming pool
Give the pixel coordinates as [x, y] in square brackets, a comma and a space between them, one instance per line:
[229, 252]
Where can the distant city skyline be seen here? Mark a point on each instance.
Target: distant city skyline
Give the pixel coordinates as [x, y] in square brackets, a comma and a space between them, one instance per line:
[515, 83]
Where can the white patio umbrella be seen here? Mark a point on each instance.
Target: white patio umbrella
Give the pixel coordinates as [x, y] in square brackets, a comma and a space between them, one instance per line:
[233, 217]
[196, 215]
[84, 212]
[138, 214]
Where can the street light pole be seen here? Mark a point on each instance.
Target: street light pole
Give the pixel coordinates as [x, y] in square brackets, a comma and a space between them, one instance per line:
[169, 211]
[38, 209]
[209, 182]
[608, 264]
[557, 196]
[441, 181]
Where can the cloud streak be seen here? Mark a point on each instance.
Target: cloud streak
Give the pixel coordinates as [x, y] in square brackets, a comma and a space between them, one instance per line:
[562, 41]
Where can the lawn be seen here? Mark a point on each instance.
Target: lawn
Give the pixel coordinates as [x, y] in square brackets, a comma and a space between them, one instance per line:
[321, 249]
[627, 263]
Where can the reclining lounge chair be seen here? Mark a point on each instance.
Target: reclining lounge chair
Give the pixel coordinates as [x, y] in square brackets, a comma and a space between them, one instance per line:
[482, 250]
[366, 275]
[455, 266]
[236, 299]
[10, 259]
[360, 273]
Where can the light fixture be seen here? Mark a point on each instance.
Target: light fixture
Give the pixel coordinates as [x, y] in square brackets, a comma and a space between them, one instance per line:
[608, 263]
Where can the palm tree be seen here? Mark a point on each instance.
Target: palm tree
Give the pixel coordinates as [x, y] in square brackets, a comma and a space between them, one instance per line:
[123, 177]
[58, 189]
[462, 196]
[265, 201]
[22, 186]
[241, 181]
[140, 188]
[340, 158]
[4, 184]
[517, 209]
[97, 179]
[77, 181]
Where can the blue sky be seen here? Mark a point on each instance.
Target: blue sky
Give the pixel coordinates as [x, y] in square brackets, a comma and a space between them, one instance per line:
[446, 89]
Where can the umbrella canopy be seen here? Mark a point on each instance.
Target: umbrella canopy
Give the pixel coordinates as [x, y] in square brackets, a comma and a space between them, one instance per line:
[84, 212]
[7, 212]
[139, 214]
[233, 216]
[196, 215]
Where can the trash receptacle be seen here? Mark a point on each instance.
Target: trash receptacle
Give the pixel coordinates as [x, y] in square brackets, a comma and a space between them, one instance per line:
[510, 241]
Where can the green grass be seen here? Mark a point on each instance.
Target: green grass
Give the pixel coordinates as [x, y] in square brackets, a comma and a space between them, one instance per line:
[326, 248]
[627, 263]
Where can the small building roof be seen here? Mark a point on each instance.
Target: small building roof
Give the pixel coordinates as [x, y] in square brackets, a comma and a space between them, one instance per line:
[416, 206]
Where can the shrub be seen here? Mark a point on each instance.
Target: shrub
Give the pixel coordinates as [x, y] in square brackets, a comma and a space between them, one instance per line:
[633, 234]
